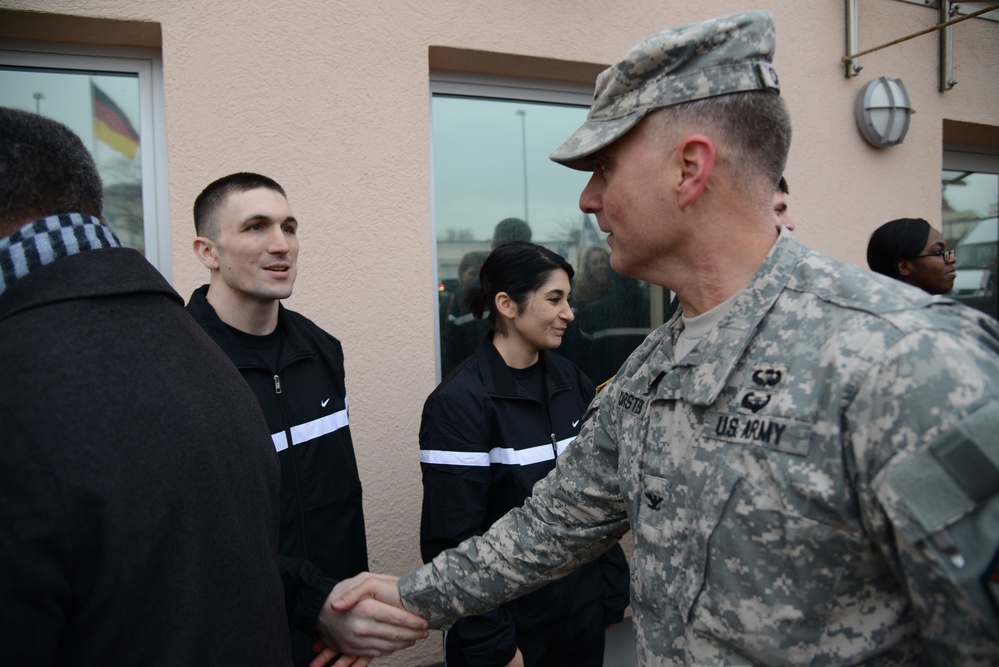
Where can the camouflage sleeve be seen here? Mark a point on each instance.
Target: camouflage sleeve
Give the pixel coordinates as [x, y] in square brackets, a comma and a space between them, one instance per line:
[573, 515]
[923, 431]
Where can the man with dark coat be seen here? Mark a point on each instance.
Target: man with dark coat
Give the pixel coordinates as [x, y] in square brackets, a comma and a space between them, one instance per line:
[138, 500]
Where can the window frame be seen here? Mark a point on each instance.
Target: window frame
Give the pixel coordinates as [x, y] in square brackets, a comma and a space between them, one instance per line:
[963, 156]
[147, 65]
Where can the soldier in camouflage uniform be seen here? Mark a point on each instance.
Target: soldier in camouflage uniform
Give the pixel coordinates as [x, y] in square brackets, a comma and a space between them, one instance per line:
[806, 453]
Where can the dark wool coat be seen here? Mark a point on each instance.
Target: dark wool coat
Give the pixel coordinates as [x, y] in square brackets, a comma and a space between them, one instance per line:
[138, 485]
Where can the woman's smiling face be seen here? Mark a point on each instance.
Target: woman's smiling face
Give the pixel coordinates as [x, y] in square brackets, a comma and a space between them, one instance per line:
[542, 320]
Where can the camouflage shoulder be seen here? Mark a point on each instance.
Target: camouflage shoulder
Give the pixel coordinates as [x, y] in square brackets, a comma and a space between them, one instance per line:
[637, 359]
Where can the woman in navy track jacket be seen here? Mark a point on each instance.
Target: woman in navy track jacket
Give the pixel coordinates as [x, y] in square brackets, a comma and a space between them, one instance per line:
[493, 428]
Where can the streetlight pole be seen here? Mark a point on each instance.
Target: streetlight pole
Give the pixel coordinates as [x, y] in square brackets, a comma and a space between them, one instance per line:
[38, 102]
[523, 143]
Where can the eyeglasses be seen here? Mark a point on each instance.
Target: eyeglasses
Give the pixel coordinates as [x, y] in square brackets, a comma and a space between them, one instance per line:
[945, 255]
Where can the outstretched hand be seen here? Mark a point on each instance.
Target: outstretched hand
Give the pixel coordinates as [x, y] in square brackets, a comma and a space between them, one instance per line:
[368, 586]
[367, 627]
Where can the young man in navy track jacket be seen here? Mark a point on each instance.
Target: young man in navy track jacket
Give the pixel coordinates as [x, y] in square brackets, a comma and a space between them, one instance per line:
[247, 239]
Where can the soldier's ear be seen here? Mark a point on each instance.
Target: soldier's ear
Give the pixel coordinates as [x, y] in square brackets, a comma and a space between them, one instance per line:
[696, 155]
[904, 268]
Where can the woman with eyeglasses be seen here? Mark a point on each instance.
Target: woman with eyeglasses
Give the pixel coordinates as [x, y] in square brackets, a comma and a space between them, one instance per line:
[908, 249]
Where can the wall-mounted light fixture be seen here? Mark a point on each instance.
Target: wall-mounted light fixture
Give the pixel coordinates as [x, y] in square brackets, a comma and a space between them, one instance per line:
[883, 111]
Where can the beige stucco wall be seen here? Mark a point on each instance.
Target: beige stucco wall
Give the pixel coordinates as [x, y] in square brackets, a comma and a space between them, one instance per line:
[331, 99]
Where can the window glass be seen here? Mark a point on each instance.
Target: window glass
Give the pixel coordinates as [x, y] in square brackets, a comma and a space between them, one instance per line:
[493, 181]
[103, 110]
[971, 227]
[113, 101]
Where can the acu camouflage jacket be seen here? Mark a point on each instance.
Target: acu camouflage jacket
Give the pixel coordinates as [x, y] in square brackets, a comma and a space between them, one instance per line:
[816, 482]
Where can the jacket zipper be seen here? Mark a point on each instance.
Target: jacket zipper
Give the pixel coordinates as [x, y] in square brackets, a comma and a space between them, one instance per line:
[296, 474]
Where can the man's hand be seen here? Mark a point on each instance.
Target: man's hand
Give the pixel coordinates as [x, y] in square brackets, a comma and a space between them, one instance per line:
[367, 627]
[325, 654]
[368, 586]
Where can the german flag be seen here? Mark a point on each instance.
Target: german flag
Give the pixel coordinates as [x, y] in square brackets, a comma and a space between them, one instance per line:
[111, 124]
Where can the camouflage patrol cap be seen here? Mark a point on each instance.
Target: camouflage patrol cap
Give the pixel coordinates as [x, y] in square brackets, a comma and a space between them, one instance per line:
[719, 56]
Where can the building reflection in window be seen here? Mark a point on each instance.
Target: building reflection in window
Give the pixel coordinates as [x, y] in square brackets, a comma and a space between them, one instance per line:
[493, 181]
[971, 227]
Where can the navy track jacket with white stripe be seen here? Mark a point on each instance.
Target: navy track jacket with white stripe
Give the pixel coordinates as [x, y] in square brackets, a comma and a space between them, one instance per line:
[305, 406]
[483, 446]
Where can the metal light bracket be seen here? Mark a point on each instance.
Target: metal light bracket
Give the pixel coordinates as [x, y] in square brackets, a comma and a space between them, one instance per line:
[948, 15]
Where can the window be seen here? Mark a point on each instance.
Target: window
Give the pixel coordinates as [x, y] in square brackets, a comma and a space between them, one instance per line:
[491, 142]
[112, 99]
[971, 226]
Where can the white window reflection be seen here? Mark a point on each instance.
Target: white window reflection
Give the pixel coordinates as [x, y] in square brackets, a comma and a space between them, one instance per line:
[112, 98]
[971, 227]
[103, 110]
[491, 172]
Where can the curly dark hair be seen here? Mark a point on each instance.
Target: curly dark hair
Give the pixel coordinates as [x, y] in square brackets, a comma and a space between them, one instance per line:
[44, 170]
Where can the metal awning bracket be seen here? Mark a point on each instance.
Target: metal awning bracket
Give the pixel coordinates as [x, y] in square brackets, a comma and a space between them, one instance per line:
[948, 10]
[853, 65]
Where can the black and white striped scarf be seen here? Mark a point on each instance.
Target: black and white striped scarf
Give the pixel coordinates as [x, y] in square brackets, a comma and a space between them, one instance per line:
[44, 241]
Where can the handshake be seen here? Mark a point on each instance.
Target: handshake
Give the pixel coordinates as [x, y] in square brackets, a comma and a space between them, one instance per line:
[363, 618]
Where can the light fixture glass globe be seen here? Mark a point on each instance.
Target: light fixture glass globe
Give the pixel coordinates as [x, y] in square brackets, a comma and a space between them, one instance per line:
[883, 109]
